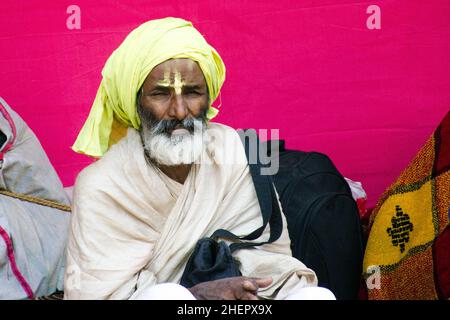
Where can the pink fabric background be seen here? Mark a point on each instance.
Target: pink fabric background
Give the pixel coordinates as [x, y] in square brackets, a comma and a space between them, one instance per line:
[367, 98]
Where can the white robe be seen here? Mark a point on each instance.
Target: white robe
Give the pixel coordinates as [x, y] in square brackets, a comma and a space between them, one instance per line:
[133, 227]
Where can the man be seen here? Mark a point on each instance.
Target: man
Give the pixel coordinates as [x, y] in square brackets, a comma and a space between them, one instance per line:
[166, 181]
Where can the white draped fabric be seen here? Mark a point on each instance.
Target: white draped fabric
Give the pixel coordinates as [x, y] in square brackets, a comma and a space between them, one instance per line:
[133, 227]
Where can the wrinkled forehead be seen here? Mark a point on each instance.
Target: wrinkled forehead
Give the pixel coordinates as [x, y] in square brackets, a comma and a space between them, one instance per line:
[175, 70]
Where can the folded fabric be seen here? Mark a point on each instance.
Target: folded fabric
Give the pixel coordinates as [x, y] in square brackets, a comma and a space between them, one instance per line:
[34, 216]
[408, 242]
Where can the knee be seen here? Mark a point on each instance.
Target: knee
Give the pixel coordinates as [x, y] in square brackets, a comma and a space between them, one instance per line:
[165, 291]
[311, 293]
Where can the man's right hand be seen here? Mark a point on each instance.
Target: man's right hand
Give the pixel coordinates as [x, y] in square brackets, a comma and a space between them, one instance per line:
[236, 288]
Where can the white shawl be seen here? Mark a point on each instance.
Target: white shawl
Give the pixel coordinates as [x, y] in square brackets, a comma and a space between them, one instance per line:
[133, 227]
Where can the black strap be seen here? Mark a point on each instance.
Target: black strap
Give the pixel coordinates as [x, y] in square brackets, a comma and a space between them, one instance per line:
[270, 209]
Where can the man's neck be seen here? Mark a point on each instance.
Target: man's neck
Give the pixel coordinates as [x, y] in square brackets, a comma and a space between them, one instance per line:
[178, 173]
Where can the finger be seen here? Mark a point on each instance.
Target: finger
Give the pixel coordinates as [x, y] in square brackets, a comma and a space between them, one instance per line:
[263, 282]
[248, 296]
[250, 285]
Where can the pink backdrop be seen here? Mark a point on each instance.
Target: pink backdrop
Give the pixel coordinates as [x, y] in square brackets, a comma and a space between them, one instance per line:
[367, 98]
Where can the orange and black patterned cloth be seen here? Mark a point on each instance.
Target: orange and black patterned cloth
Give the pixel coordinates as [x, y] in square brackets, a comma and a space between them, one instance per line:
[408, 249]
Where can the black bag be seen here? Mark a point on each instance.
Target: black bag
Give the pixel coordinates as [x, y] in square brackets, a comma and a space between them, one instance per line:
[322, 219]
[212, 260]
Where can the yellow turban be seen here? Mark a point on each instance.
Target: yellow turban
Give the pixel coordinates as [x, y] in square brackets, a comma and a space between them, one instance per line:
[114, 107]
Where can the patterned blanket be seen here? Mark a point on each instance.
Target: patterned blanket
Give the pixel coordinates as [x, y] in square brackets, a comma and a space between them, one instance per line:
[408, 250]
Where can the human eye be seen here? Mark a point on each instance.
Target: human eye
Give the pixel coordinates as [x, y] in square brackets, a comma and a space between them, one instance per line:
[192, 92]
[159, 93]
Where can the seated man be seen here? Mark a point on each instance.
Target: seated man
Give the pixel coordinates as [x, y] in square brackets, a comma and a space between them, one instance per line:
[158, 187]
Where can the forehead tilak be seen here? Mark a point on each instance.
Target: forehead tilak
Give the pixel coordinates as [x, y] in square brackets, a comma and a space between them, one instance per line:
[177, 81]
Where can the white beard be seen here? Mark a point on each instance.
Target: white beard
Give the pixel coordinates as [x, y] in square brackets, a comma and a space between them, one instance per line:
[175, 149]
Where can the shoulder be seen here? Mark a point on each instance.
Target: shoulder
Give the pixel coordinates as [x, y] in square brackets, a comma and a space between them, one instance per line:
[223, 135]
[221, 126]
[224, 146]
[96, 178]
[91, 183]
[223, 129]
[90, 174]
[100, 172]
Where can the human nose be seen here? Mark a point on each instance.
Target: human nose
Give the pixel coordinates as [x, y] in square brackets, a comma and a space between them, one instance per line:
[178, 108]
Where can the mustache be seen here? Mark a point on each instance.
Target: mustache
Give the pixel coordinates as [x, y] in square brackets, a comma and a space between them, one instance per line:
[166, 126]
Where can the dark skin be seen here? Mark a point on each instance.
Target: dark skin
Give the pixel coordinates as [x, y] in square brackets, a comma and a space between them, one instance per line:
[236, 288]
[176, 89]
